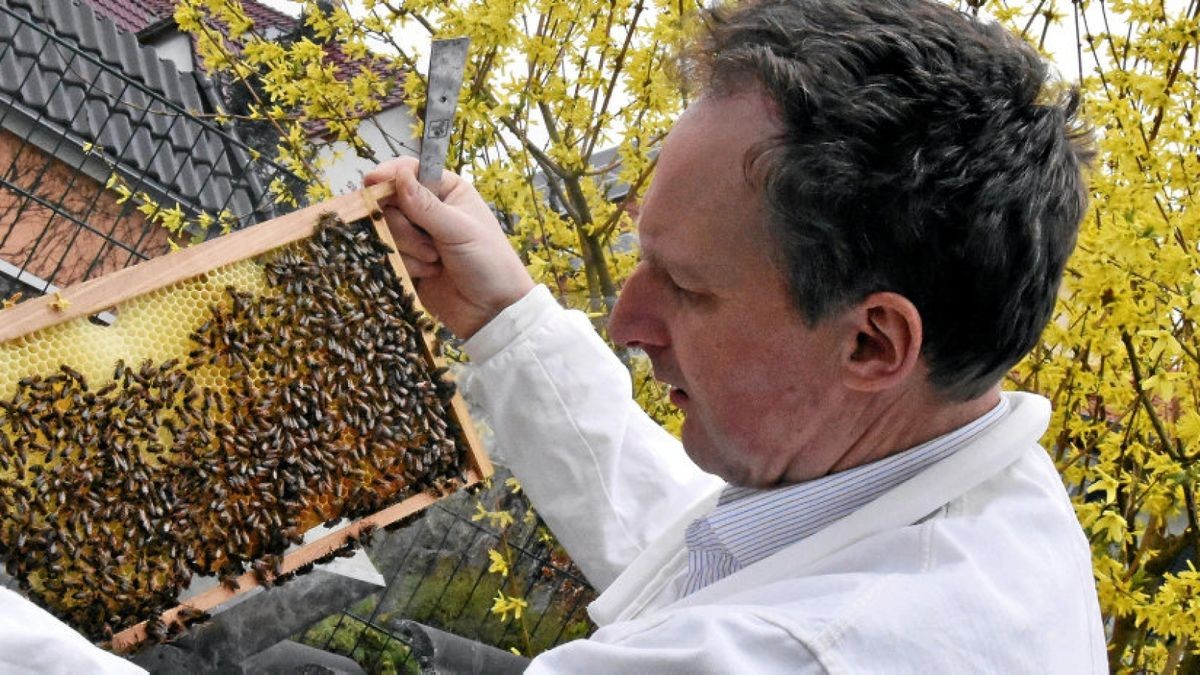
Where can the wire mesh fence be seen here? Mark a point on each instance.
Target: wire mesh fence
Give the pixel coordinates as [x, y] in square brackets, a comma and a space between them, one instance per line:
[437, 572]
[99, 140]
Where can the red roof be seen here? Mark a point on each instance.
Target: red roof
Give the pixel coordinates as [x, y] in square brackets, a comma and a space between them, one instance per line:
[348, 68]
[129, 16]
[135, 16]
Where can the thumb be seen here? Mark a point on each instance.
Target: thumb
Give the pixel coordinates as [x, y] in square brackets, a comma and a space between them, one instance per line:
[444, 223]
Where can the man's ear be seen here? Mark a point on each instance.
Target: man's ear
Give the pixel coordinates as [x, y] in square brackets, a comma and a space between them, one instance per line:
[886, 342]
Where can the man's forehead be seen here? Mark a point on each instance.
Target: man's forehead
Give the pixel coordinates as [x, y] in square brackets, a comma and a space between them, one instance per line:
[656, 248]
[705, 156]
[701, 205]
[705, 250]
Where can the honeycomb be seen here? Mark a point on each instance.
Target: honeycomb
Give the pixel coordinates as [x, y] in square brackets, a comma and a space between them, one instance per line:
[154, 326]
[214, 423]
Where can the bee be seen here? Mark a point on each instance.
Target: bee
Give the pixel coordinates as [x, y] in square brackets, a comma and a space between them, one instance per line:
[74, 375]
[32, 382]
[265, 571]
[327, 557]
[365, 534]
[189, 615]
[230, 581]
[156, 630]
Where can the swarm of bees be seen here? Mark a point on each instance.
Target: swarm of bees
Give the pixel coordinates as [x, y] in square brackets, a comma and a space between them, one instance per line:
[304, 404]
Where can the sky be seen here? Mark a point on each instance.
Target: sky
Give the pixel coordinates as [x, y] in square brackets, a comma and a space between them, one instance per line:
[1061, 42]
[292, 8]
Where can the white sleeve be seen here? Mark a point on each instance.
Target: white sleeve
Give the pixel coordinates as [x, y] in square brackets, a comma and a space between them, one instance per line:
[33, 641]
[606, 478]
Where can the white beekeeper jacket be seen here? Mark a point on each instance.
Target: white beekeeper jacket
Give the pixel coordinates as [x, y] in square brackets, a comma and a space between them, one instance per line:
[33, 641]
[977, 564]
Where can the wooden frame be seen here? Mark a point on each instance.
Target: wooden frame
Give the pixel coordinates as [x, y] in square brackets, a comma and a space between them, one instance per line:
[104, 293]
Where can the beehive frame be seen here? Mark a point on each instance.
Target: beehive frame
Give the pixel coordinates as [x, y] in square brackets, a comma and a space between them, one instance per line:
[104, 293]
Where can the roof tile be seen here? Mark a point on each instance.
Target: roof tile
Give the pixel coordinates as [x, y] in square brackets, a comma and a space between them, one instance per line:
[79, 74]
[138, 15]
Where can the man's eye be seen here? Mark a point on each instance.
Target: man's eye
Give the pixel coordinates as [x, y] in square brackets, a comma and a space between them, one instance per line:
[683, 293]
[674, 285]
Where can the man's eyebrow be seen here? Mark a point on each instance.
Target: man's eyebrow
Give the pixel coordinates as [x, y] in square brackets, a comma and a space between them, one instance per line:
[679, 269]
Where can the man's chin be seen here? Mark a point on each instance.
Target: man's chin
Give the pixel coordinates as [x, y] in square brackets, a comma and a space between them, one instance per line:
[715, 460]
[706, 455]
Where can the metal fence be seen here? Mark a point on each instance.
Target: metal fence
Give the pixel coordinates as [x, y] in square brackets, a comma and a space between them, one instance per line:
[85, 112]
[437, 574]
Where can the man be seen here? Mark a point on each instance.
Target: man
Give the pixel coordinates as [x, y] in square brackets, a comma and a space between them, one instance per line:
[851, 237]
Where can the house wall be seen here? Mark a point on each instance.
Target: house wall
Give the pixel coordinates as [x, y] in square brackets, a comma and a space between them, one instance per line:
[175, 47]
[36, 239]
[346, 171]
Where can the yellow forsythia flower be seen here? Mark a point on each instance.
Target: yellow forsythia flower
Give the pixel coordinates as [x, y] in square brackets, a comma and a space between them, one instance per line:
[499, 564]
[503, 604]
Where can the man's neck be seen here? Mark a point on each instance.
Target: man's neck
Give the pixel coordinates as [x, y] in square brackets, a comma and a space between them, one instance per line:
[904, 422]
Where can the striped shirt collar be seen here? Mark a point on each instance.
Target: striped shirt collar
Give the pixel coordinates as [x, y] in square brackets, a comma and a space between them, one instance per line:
[748, 524]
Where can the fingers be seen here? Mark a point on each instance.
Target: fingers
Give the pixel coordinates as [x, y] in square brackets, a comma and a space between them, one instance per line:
[409, 240]
[452, 243]
[419, 269]
[456, 220]
[390, 169]
[403, 170]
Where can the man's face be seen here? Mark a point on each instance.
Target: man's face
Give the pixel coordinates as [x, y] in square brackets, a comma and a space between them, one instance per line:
[712, 312]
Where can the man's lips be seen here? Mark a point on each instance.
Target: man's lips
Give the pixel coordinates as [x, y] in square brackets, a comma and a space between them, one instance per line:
[668, 376]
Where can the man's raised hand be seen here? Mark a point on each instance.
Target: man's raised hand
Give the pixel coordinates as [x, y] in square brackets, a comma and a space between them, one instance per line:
[464, 268]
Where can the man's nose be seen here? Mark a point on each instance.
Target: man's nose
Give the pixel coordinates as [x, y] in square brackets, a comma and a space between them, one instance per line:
[635, 321]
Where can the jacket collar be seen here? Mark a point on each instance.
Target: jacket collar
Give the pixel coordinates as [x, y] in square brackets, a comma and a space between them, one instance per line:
[643, 585]
[750, 524]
